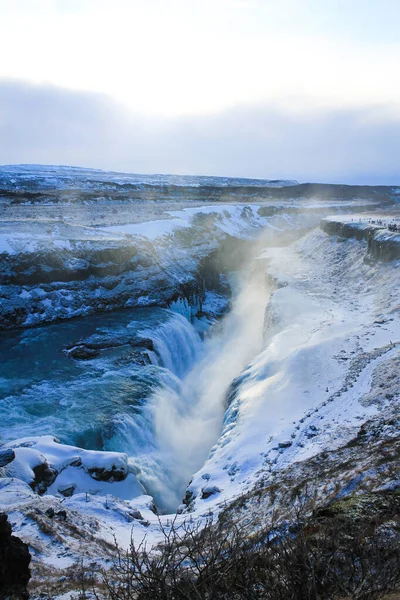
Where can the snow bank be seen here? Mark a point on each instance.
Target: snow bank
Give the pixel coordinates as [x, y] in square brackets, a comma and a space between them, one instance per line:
[71, 470]
[331, 324]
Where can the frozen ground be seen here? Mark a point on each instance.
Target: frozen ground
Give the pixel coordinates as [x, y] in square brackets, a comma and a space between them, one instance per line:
[333, 320]
[31, 229]
[62, 177]
[299, 381]
[53, 269]
[329, 366]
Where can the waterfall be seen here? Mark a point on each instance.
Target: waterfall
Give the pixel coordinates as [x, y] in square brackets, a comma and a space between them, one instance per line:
[184, 417]
[176, 343]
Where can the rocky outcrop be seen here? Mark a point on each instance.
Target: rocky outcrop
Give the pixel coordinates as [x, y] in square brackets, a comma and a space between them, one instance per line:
[14, 563]
[385, 245]
[59, 284]
[93, 345]
[35, 292]
[74, 264]
[209, 490]
[45, 475]
[55, 284]
[382, 243]
[115, 473]
[6, 456]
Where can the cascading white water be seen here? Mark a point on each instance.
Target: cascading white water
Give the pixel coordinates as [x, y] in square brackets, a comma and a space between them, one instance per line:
[176, 343]
[177, 347]
[184, 418]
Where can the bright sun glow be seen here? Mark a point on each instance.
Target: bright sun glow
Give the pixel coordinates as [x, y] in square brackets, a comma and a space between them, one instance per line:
[176, 58]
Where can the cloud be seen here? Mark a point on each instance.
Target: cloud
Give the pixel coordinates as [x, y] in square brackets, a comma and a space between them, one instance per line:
[50, 125]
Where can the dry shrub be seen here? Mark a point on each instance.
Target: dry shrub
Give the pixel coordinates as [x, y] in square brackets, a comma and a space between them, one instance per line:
[331, 554]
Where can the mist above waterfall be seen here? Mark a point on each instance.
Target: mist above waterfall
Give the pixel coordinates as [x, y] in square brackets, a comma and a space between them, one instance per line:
[183, 419]
[186, 415]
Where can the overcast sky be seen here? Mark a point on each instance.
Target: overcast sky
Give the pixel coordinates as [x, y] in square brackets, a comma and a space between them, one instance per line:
[304, 89]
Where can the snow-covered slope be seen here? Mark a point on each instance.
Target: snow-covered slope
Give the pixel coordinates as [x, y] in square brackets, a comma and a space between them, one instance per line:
[330, 327]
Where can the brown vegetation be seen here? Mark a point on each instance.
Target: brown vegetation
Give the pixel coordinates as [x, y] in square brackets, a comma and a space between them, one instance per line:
[347, 550]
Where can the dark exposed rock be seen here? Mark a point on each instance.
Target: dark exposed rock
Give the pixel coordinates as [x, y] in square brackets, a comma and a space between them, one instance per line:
[82, 352]
[382, 243]
[67, 490]
[92, 347]
[137, 356]
[61, 515]
[209, 490]
[189, 497]
[6, 456]
[14, 563]
[285, 444]
[113, 474]
[146, 343]
[44, 477]
[136, 514]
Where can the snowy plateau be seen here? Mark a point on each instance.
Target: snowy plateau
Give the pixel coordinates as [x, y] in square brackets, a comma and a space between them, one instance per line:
[179, 347]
